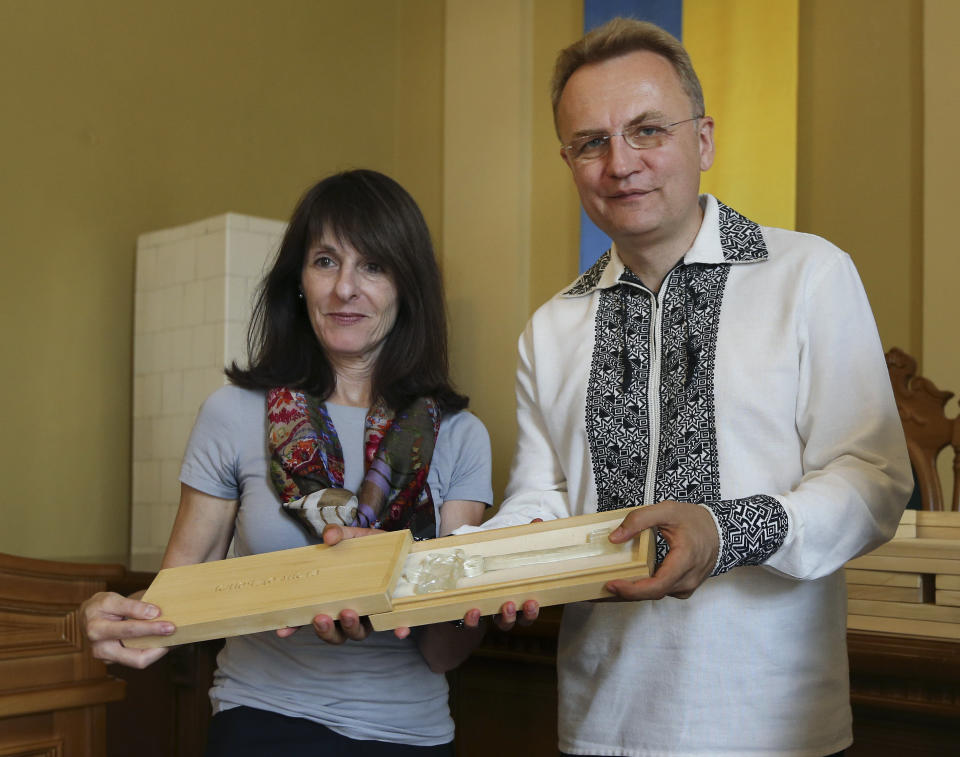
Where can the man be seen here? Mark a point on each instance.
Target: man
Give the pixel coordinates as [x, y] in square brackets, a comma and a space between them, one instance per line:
[730, 377]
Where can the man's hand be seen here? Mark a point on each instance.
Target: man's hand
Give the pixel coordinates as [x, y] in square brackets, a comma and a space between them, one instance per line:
[694, 544]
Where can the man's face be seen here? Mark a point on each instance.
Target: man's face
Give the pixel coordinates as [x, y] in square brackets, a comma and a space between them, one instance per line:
[642, 197]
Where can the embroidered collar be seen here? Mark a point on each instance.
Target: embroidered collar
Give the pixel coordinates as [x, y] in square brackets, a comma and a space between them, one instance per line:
[725, 236]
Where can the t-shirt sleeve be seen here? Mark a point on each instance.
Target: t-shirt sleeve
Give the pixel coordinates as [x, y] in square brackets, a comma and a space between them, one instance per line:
[211, 460]
[462, 459]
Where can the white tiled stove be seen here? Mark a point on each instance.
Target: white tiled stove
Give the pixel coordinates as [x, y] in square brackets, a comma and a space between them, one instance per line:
[194, 293]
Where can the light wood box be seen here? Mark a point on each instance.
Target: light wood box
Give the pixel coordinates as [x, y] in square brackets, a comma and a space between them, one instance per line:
[938, 525]
[911, 584]
[918, 555]
[288, 588]
[947, 598]
[903, 626]
[884, 578]
[884, 593]
[549, 584]
[948, 582]
[275, 589]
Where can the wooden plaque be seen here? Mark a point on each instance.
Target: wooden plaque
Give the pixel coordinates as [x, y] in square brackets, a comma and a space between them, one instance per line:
[276, 589]
[555, 583]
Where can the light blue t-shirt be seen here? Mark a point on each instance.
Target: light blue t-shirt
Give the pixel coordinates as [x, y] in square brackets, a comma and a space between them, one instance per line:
[379, 688]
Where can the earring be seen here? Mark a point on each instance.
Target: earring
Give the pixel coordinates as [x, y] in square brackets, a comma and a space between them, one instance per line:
[300, 295]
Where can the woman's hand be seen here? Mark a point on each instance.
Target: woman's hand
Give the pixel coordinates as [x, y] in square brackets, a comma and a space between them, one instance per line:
[446, 645]
[510, 615]
[107, 618]
[348, 626]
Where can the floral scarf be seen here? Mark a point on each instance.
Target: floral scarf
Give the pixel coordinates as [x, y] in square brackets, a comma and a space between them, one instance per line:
[306, 458]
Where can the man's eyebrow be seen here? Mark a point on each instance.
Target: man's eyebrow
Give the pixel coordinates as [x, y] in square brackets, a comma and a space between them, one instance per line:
[587, 133]
[647, 115]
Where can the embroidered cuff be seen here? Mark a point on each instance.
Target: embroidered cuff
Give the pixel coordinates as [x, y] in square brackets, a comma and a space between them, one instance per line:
[751, 530]
[661, 545]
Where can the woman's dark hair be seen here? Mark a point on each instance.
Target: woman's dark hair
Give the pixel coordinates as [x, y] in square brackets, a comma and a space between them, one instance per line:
[379, 219]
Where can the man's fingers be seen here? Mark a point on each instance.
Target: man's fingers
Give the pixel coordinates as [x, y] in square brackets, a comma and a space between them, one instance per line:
[645, 588]
[637, 521]
[672, 578]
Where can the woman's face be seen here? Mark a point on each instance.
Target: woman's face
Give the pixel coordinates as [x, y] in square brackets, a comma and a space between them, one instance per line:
[351, 301]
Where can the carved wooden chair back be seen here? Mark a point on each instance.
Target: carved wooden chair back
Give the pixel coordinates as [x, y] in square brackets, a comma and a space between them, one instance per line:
[927, 428]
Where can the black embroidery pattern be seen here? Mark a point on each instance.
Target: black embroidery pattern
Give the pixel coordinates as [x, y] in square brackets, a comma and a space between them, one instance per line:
[618, 417]
[687, 466]
[741, 239]
[753, 529]
[590, 278]
[617, 422]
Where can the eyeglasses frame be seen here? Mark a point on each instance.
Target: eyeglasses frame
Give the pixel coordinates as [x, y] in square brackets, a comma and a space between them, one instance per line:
[607, 137]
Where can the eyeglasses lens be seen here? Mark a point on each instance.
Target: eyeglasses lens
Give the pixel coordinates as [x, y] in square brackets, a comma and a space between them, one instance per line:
[640, 137]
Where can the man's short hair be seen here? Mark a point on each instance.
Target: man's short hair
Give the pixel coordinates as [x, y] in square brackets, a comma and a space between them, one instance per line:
[621, 36]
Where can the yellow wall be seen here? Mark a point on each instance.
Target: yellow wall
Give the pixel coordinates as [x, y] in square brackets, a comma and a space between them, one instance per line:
[554, 205]
[740, 48]
[860, 159]
[131, 118]
[510, 209]
[125, 117]
[486, 230]
[941, 261]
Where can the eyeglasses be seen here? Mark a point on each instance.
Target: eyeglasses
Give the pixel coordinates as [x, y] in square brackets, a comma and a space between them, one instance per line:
[640, 136]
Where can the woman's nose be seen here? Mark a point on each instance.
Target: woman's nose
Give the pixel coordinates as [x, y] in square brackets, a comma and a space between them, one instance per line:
[346, 285]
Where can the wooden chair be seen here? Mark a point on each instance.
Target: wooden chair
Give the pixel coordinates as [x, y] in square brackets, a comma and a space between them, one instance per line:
[927, 428]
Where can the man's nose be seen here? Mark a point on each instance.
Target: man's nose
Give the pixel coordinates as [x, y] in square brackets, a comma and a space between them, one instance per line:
[622, 159]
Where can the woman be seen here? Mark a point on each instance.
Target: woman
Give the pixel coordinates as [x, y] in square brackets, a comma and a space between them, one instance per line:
[347, 388]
